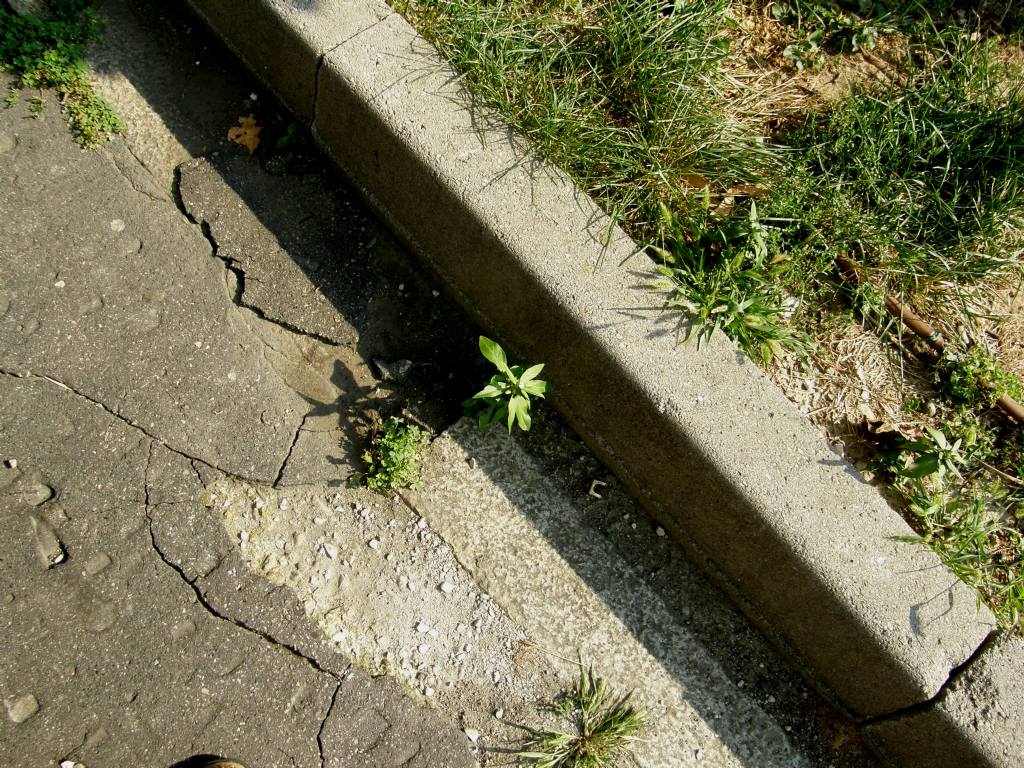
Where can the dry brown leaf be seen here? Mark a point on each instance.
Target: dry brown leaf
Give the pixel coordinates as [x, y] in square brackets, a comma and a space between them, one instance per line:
[246, 133]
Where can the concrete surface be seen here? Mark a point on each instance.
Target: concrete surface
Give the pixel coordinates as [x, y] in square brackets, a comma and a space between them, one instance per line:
[987, 697]
[134, 633]
[144, 629]
[809, 550]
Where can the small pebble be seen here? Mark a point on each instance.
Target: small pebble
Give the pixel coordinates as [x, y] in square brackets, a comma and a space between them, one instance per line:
[660, 531]
[428, 692]
[447, 587]
[11, 463]
[21, 708]
[472, 735]
[374, 543]
[97, 563]
[422, 628]
[423, 648]
[283, 504]
[499, 713]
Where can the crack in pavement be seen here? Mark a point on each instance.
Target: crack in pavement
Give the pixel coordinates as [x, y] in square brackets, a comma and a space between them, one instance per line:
[132, 182]
[232, 266]
[323, 723]
[928, 704]
[201, 596]
[29, 376]
[291, 448]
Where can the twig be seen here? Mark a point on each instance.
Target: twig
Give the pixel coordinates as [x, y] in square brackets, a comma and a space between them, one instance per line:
[1007, 477]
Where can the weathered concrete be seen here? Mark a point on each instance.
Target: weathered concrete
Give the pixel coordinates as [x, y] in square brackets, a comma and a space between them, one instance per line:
[127, 308]
[809, 548]
[133, 631]
[125, 665]
[276, 232]
[284, 42]
[531, 550]
[976, 721]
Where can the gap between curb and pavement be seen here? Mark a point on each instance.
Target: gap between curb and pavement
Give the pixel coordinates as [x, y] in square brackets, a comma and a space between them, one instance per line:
[711, 447]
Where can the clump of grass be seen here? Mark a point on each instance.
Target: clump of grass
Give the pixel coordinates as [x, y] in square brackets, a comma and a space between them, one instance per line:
[719, 275]
[604, 728]
[627, 96]
[392, 460]
[48, 53]
[975, 379]
[929, 170]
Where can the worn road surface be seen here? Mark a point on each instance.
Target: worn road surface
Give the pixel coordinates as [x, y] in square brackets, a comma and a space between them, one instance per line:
[192, 340]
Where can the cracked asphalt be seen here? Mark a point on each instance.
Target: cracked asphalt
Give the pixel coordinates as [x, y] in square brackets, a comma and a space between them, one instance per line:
[135, 370]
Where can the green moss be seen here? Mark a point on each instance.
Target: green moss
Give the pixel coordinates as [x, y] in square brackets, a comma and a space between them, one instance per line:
[49, 53]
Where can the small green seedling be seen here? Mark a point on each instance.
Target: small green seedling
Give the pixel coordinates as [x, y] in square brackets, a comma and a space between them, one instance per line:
[604, 727]
[392, 460]
[507, 395]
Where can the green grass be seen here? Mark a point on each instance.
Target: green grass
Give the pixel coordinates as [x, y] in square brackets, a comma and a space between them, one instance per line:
[48, 53]
[928, 174]
[627, 98]
[604, 726]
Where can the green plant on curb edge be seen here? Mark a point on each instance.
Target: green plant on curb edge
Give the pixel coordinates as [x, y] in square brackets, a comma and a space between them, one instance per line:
[507, 395]
[604, 727]
[721, 275]
[391, 461]
[49, 53]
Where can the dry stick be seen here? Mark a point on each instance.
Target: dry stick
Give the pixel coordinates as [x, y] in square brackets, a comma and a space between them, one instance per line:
[909, 318]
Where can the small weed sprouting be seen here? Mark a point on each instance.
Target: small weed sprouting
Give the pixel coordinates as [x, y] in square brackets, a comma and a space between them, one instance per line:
[934, 454]
[825, 25]
[48, 53]
[721, 275]
[392, 459]
[984, 551]
[507, 395]
[975, 379]
[971, 528]
[603, 728]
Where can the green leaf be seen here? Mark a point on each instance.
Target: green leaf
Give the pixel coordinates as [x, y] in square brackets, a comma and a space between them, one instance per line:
[530, 374]
[491, 391]
[519, 412]
[536, 388]
[493, 352]
[926, 465]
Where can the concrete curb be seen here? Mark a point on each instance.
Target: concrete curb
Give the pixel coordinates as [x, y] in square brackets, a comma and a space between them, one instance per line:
[714, 450]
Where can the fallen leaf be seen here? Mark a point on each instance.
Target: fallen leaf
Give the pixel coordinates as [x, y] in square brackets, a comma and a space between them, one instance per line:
[246, 133]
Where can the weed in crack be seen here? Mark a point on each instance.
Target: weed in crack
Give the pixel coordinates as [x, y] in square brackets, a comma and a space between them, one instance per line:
[604, 726]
